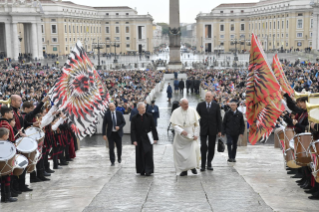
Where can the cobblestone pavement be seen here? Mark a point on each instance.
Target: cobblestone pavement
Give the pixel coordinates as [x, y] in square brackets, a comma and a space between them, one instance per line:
[257, 182]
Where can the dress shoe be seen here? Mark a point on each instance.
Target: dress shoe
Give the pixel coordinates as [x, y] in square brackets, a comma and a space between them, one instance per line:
[120, 160]
[35, 180]
[13, 194]
[194, 171]
[315, 196]
[230, 160]
[183, 173]
[3, 199]
[301, 180]
[46, 174]
[306, 185]
[25, 189]
[64, 163]
[291, 172]
[42, 178]
[202, 169]
[57, 167]
[297, 176]
[210, 168]
[47, 168]
[69, 159]
[112, 164]
[311, 191]
[148, 174]
[233, 160]
[142, 174]
[8, 198]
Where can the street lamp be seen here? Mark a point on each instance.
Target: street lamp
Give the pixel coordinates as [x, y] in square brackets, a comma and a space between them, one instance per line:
[98, 47]
[235, 42]
[114, 44]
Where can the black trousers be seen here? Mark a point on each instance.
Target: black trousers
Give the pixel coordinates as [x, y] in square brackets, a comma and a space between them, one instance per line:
[232, 145]
[207, 149]
[181, 90]
[115, 138]
[5, 184]
[55, 150]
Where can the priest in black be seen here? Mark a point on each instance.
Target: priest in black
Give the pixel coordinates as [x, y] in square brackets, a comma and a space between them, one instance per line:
[142, 124]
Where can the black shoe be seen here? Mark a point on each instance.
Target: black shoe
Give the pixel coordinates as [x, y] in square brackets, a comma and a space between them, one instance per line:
[13, 194]
[46, 174]
[69, 159]
[315, 196]
[233, 160]
[302, 180]
[57, 167]
[183, 173]
[42, 178]
[202, 169]
[194, 171]
[142, 174]
[210, 168]
[65, 163]
[47, 169]
[306, 184]
[148, 174]
[35, 180]
[311, 191]
[112, 164]
[8, 198]
[120, 160]
[297, 176]
[230, 160]
[25, 189]
[3, 199]
[291, 172]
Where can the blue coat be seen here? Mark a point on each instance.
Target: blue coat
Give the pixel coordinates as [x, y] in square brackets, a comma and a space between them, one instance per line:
[155, 112]
[133, 113]
[169, 91]
[176, 83]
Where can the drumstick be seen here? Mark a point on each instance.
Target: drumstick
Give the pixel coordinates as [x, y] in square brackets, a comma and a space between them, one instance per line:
[18, 132]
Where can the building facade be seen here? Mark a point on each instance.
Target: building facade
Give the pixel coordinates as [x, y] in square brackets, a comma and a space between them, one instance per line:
[53, 27]
[279, 24]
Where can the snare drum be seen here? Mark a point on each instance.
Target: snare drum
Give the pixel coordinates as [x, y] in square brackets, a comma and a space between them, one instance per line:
[37, 134]
[33, 163]
[302, 143]
[20, 163]
[7, 153]
[314, 152]
[28, 147]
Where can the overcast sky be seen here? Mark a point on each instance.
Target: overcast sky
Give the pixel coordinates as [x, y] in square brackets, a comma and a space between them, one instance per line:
[159, 8]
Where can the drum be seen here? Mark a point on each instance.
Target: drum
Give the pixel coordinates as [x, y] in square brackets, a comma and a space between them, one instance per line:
[33, 163]
[314, 165]
[280, 137]
[28, 147]
[289, 134]
[37, 134]
[290, 159]
[302, 143]
[7, 153]
[20, 163]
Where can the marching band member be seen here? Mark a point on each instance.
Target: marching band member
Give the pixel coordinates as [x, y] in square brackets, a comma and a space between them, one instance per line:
[6, 133]
[58, 142]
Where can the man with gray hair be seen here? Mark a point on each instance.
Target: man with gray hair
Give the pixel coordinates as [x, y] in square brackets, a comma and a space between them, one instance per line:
[141, 126]
[186, 146]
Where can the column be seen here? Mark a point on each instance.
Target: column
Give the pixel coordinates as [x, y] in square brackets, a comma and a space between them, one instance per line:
[15, 41]
[175, 37]
[40, 46]
[34, 42]
[8, 39]
[25, 38]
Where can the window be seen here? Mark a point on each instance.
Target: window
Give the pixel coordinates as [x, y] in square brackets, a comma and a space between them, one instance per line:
[222, 36]
[53, 20]
[232, 36]
[73, 29]
[77, 29]
[278, 44]
[73, 39]
[66, 48]
[259, 26]
[127, 38]
[282, 25]
[231, 11]
[286, 44]
[232, 27]
[221, 11]
[117, 29]
[242, 27]
[266, 24]
[242, 19]
[127, 45]
[116, 14]
[65, 29]
[311, 34]
[282, 35]
[127, 29]
[300, 14]
[299, 43]
[117, 38]
[242, 11]
[311, 23]
[269, 25]
[221, 28]
[274, 25]
[287, 24]
[94, 29]
[106, 14]
[54, 40]
[221, 43]
[299, 35]
[278, 35]
[127, 22]
[66, 40]
[278, 25]
[107, 30]
[287, 35]
[42, 40]
[53, 29]
[70, 39]
[249, 26]
[81, 29]
[69, 28]
[127, 14]
[299, 24]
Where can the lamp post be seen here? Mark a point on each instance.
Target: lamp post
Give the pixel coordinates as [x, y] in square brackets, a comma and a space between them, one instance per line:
[235, 42]
[115, 45]
[98, 47]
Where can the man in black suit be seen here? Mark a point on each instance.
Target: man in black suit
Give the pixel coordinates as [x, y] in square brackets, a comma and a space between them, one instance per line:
[115, 122]
[210, 126]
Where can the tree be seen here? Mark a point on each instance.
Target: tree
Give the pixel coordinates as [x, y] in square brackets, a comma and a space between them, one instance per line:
[165, 27]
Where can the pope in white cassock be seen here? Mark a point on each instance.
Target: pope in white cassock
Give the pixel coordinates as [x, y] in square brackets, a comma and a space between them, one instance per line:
[186, 146]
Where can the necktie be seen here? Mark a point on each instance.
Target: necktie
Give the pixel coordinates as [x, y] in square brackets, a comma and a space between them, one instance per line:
[114, 122]
[207, 106]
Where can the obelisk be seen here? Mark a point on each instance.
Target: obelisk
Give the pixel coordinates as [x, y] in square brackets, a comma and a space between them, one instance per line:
[174, 36]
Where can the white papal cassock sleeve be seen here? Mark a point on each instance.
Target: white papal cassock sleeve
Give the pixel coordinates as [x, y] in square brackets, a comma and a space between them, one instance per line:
[178, 129]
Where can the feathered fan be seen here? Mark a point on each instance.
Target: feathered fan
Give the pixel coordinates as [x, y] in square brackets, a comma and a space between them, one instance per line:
[80, 94]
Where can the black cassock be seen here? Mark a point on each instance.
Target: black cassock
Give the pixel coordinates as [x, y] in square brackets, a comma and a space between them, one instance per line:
[140, 126]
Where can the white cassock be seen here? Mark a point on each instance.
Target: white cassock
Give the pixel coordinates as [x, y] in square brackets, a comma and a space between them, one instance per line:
[186, 150]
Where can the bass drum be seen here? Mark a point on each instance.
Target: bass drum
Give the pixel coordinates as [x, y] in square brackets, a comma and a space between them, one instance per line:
[7, 153]
[28, 147]
[20, 164]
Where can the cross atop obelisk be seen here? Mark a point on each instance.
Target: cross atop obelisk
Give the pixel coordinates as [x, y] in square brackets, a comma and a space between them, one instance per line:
[174, 35]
